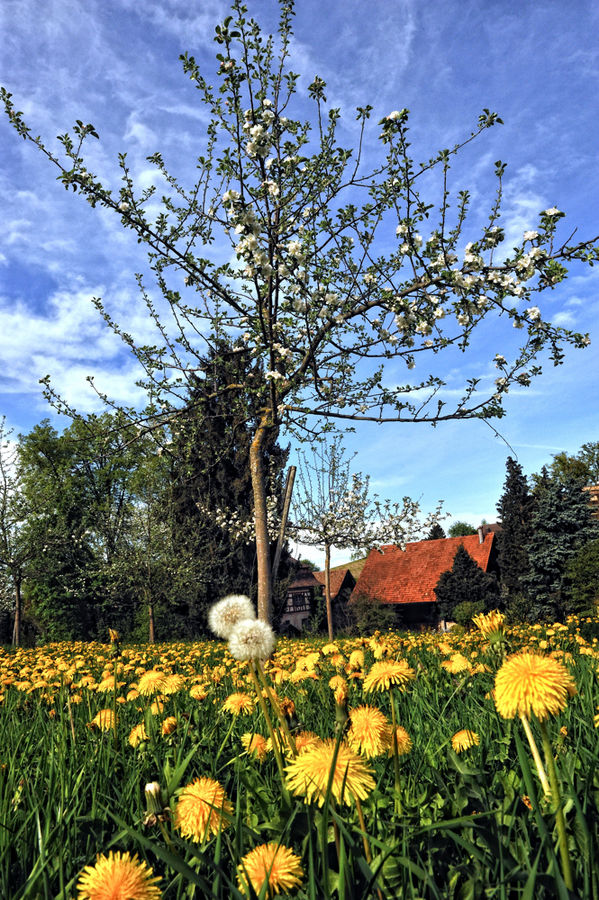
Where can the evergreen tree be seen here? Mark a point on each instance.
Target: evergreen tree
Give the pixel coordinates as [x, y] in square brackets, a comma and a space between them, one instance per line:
[561, 523]
[582, 574]
[515, 510]
[436, 533]
[212, 495]
[465, 590]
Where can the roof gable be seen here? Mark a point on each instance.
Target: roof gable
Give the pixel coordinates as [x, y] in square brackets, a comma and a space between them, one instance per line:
[393, 575]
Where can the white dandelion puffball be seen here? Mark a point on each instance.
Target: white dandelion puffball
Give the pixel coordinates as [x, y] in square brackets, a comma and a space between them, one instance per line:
[224, 615]
[252, 639]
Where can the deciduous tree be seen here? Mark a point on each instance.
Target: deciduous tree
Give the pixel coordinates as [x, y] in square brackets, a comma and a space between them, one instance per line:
[341, 278]
[333, 508]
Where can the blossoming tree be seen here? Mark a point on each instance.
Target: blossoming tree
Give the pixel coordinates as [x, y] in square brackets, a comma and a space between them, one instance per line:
[341, 279]
[333, 508]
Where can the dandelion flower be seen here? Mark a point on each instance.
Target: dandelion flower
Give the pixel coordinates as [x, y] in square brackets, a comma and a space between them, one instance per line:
[369, 731]
[202, 809]
[464, 740]
[308, 774]
[403, 739]
[528, 683]
[169, 725]
[251, 639]
[239, 703]
[388, 673]
[118, 876]
[172, 684]
[151, 682]
[356, 660]
[198, 692]
[137, 735]
[489, 623]
[255, 745]
[271, 864]
[305, 740]
[456, 664]
[225, 614]
[104, 720]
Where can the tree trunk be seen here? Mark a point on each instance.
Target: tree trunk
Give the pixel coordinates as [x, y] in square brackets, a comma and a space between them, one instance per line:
[327, 589]
[16, 631]
[261, 523]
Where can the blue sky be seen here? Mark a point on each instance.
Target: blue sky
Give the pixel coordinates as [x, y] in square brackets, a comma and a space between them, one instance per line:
[115, 63]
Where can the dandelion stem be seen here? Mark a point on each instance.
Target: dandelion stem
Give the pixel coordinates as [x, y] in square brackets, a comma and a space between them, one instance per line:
[367, 852]
[398, 806]
[536, 755]
[274, 737]
[560, 820]
[276, 706]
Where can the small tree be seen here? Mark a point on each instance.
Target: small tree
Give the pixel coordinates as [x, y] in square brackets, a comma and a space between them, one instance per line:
[319, 263]
[436, 533]
[332, 508]
[465, 583]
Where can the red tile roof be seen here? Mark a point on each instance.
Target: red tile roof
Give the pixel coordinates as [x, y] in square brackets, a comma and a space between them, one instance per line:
[410, 576]
[337, 579]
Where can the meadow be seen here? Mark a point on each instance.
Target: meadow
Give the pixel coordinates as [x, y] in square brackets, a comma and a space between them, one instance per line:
[376, 767]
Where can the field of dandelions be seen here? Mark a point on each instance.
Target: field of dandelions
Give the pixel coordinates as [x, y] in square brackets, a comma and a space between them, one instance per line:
[403, 765]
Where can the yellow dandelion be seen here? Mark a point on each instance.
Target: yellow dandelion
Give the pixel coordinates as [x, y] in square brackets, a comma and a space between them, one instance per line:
[118, 876]
[239, 703]
[355, 661]
[106, 685]
[271, 864]
[403, 740]
[137, 735]
[169, 725]
[464, 740]
[157, 706]
[388, 673]
[528, 683]
[305, 740]
[104, 720]
[308, 774]
[369, 731]
[489, 623]
[457, 663]
[151, 682]
[172, 684]
[255, 745]
[202, 810]
[198, 692]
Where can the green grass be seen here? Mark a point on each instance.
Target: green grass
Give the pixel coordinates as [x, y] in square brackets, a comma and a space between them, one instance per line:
[69, 791]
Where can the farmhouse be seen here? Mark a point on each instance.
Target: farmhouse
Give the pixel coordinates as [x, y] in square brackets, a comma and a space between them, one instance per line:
[402, 579]
[308, 586]
[406, 579]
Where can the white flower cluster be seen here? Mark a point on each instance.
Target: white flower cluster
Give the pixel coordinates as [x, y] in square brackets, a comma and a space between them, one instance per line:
[240, 526]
